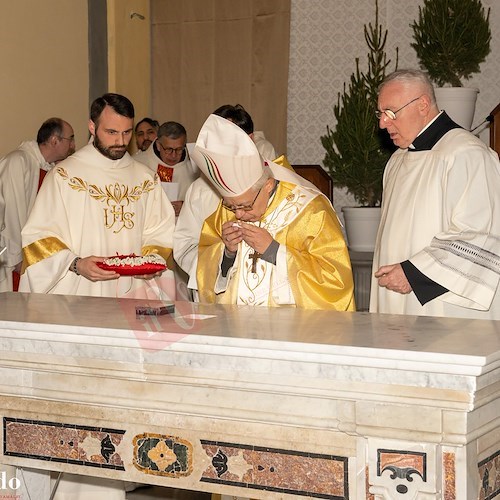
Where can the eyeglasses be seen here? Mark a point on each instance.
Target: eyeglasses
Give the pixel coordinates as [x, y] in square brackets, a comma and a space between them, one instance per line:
[245, 208]
[392, 114]
[172, 151]
[70, 139]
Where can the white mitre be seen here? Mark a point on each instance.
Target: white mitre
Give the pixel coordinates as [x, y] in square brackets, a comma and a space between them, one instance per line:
[227, 156]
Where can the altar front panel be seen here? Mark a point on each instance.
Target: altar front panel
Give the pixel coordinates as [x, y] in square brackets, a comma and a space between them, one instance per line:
[255, 403]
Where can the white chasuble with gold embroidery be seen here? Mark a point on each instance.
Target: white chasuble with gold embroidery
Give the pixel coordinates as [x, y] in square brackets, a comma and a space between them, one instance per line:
[92, 205]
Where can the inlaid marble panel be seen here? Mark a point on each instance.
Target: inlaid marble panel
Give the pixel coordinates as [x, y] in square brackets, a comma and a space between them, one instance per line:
[270, 469]
[402, 464]
[163, 455]
[67, 443]
[489, 472]
[449, 476]
[369, 496]
[406, 470]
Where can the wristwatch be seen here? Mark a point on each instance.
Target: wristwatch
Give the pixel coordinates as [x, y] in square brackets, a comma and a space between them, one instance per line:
[73, 268]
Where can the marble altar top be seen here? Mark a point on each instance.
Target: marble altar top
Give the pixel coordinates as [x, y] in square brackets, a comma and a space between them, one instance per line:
[110, 321]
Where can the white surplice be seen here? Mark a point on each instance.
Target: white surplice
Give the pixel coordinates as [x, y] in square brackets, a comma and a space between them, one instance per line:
[19, 178]
[184, 172]
[440, 211]
[265, 148]
[200, 202]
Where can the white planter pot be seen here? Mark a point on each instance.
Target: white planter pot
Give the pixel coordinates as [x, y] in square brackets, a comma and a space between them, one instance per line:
[459, 103]
[361, 226]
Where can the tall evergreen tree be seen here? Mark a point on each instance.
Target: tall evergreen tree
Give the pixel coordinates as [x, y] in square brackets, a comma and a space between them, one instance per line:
[357, 150]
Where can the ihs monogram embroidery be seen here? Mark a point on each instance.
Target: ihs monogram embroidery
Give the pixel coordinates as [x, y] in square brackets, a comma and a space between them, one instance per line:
[116, 197]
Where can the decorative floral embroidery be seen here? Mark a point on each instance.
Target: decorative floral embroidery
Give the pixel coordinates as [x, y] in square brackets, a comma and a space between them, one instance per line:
[254, 286]
[166, 174]
[116, 197]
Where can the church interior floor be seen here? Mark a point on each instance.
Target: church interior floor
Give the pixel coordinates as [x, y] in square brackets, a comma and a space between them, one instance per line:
[153, 493]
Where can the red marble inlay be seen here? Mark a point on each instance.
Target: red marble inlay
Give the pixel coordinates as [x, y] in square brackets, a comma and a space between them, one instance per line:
[53, 441]
[277, 470]
[369, 496]
[402, 460]
[449, 476]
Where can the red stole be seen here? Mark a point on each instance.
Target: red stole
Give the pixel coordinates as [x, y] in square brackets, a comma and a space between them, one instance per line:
[165, 173]
[41, 178]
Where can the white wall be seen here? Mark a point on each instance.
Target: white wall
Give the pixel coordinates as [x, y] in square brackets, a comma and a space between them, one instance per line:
[327, 36]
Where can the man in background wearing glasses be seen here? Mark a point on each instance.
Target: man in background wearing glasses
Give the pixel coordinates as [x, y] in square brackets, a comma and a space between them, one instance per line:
[275, 240]
[21, 175]
[169, 157]
[437, 250]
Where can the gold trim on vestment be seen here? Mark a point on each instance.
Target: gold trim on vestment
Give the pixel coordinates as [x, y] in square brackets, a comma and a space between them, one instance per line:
[283, 162]
[40, 250]
[112, 193]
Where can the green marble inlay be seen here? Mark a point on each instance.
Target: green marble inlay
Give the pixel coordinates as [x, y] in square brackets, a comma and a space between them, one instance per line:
[163, 455]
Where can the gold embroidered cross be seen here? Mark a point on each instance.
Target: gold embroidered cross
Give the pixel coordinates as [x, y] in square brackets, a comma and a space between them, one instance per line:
[255, 256]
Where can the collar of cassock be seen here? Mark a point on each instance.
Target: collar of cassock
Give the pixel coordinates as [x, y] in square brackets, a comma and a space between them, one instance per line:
[429, 137]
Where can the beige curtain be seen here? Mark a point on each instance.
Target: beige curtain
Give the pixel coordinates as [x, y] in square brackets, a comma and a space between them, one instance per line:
[206, 53]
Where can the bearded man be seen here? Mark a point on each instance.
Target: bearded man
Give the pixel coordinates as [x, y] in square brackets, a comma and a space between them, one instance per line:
[101, 203]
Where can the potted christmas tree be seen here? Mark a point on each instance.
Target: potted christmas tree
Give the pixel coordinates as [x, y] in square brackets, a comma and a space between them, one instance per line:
[357, 150]
[452, 38]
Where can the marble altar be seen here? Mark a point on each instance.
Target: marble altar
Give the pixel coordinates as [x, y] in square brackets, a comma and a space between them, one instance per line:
[252, 402]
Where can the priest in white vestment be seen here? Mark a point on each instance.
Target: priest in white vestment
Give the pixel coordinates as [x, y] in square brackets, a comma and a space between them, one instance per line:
[274, 241]
[21, 173]
[265, 148]
[169, 157]
[438, 245]
[98, 203]
[200, 202]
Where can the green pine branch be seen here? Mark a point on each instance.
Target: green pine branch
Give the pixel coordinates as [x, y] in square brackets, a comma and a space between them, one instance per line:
[452, 38]
[356, 153]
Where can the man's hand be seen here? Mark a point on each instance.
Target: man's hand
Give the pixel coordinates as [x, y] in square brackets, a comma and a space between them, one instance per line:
[232, 235]
[256, 237]
[88, 268]
[148, 276]
[393, 278]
